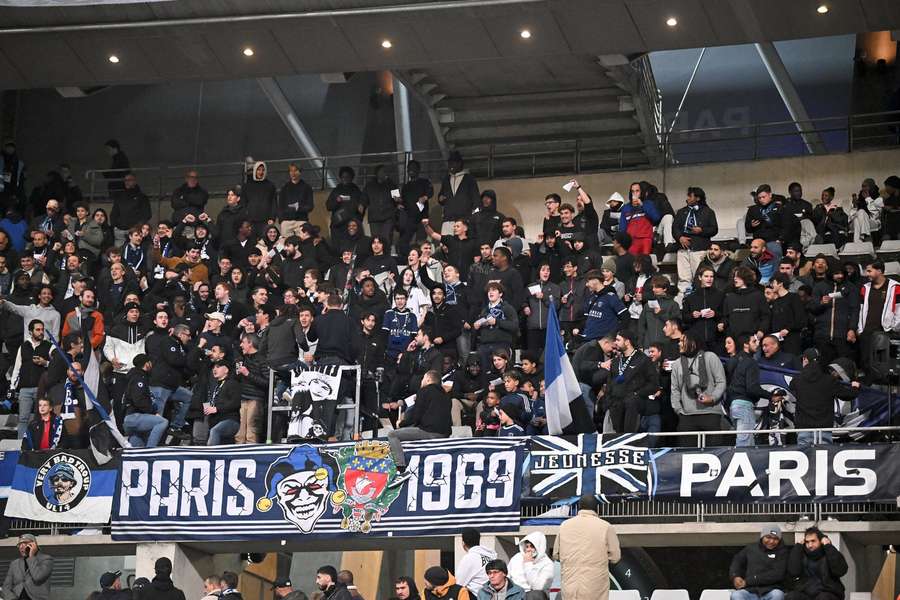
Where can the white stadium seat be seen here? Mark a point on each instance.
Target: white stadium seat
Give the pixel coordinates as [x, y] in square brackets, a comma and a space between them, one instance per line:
[670, 595]
[889, 250]
[826, 249]
[857, 250]
[741, 231]
[624, 595]
[715, 595]
[860, 596]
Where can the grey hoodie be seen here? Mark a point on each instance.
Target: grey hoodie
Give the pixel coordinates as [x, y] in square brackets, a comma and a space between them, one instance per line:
[685, 404]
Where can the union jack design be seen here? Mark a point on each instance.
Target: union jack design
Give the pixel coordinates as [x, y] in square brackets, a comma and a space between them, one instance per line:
[611, 467]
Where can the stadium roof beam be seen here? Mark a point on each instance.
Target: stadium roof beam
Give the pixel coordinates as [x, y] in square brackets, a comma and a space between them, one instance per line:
[426, 101]
[402, 127]
[290, 119]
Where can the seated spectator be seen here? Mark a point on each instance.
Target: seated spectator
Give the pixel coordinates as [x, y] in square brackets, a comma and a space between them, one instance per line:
[765, 221]
[429, 418]
[638, 219]
[818, 567]
[758, 571]
[832, 223]
[140, 413]
[761, 260]
[405, 589]
[865, 213]
[223, 405]
[499, 586]
[693, 227]
[45, 432]
[531, 568]
[774, 356]
[440, 584]
[28, 575]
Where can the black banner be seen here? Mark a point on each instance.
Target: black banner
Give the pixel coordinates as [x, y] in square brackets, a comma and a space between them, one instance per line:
[619, 468]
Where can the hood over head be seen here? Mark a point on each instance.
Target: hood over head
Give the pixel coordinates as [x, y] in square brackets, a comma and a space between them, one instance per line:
[538, 540]
[256, 166]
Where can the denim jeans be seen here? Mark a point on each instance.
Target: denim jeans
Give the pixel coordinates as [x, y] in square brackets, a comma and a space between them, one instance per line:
[26, 409]
[221, 431]
[588, 398]
[745, 595]
[152, 425]
[805, 439]
[181, 395]
[743, 414]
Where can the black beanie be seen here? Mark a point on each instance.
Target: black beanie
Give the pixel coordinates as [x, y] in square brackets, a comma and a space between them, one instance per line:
[437, 576]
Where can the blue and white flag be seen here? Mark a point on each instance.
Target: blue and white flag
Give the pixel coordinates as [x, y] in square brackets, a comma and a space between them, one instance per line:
[63, 486]
[560, 384]
[279, 491]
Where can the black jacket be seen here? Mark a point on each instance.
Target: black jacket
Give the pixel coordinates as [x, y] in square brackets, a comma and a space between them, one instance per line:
[130, 208]
[832, 226]
[772, 225]
[378, 201]
[828, 564]
[764, 570]
[259, 197]
[788, 312]
[29, 372]
[343, 211]
[705, 219]
[459, 205]
[168, 360]
[446, 322]
[742, 374]
[370, 351]
[334, 332]
[137, 395]
[486, 222]
[745, 311]
[431, 412]
[254, 385]
[338, 591]
[227, 223]
[280, 346]
[815, 391]
[701, 329]
[640, 380]
[227, 401]
[295, 201]
[188, 200]
[161, 588]
[835, 319]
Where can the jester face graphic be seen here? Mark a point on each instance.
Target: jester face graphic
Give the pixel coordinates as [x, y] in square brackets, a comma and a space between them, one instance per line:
[303, 497]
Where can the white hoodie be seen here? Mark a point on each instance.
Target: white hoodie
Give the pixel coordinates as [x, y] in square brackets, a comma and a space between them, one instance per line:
[536, 574]
[470, 570]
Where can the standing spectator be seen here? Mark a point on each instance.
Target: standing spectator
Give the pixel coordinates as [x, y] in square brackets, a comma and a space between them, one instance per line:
[346, 577]
[131, 208]
[12, 178]
[890, 222]
[603, 310]
[429, 418]
[29, 575]
[795, 204]
[31, 363]
[284, 590]
[470, 570]
[459, 193]
[212, 585]
[140, 413]
[118, 166]
[189, 198]
[818, 565]
[879, 314]
[295, 202]
[415, 193]
[743, 390]
[253, 377]
[745, 309]
[259, 198]
[702, 308]
[486, 219]
[326, 580]
[765, 220]
[229, 586]
[499, 586]
[345, 204]
[405, 589]
[721, 265]
[658, 309]
[866, 209]
[835, 306]
[815, 391]
[45, 432]
[223, 405]
[531, 568]
[632, 380]
[639, 217]
[170, 366]
[758, 571]
[111, 587]
[585, 546]
[497, 324]
[609, 221]
[788, 315]
[459, 249]
[698, 388]
[232, 214]
[162, 587]
[693, 227]
[441, 585]
[540, 294]
[378, 200]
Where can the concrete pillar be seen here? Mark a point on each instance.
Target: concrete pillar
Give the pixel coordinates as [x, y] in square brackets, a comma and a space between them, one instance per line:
[189, 566]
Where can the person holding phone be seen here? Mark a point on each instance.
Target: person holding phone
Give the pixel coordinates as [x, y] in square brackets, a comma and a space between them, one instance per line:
[28, 575]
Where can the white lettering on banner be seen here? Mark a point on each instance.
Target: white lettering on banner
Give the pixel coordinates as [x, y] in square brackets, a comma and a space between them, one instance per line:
[868, 476]
[620, 456]
[182, 488]
[502, 471]
[436, 482]
[794, 476]
[689, 477]
[468, 486]
[784, 466]
[739, 473]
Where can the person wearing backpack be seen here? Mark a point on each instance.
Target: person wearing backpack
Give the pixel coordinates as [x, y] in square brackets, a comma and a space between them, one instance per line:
[698, 388]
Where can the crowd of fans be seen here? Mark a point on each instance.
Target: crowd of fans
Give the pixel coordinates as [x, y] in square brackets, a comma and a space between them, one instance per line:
[188, 315]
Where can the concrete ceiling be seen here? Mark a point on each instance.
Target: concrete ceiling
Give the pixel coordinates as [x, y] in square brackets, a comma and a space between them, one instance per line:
[471, 46]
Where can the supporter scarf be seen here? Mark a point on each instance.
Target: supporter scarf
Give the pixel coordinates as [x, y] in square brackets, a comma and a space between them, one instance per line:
[450, 293]
[691, 220]
[767, 212]
[214, 393]
[133, 257]
[70, 402]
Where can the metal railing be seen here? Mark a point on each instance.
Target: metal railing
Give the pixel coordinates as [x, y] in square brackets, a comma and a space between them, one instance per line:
[852, 133]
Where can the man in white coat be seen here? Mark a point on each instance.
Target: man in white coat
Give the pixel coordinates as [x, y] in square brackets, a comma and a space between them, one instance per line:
[585, 546]
[531, 569]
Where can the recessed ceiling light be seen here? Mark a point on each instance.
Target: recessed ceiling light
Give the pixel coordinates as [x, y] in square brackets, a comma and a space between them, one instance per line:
[248, 51]
[823, 8]
[525, 33]
[113, 59]
[671, 21]
[386, 44]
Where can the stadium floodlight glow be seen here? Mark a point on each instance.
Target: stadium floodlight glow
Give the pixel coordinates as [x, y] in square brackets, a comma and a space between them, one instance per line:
[114, 59]
[823, 8]
[248, 51]
[386, 44]
[671, 21]
[525, 34]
